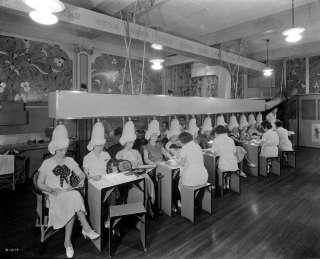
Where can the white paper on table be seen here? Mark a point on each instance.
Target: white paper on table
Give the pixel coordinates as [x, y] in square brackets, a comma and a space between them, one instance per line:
[114, 179]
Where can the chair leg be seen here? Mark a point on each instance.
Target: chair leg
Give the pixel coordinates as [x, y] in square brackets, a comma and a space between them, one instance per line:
[207, 200]
[221, 182]
[110, 237]
[235, 182]
[276, 166]
[263, 166]
[143, 231]
[187, 203]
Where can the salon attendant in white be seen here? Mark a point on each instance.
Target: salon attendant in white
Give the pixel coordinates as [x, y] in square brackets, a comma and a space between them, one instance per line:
[95, 162]
[55, 179]
[193, 171]
[284, 142]
[223, 146]
[270, 141]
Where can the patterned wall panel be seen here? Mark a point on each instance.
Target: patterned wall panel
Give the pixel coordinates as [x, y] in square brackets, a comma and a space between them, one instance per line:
[31, 69]
[110, 74]
[314, 74]
[296, 76]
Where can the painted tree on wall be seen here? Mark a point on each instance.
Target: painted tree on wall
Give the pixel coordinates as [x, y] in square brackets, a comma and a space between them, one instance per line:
[296, 76]
[109, 76]
[29, 70]
[314, 81]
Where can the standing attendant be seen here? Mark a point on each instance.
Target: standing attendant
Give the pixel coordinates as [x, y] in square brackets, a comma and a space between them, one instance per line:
[115, 148]
[193, 171]
[270, 141]
[224, 147]
[272, 117]
[58, 176]
[284, 142]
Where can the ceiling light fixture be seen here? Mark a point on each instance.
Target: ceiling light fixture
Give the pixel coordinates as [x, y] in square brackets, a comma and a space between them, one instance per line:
[156, 46]
[45, 18]
[157, 63]
[294, 34]
[268, 71]
[44, 9]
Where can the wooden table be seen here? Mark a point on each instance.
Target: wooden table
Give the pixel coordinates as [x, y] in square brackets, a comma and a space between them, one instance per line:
[253, 156]
[167, 171]
[99, 191]
[210, 164]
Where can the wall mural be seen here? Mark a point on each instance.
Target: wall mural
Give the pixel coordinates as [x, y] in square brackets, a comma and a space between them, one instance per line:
[178, 80]
[29, 70]
[296, 76]
[204, 86]
[108, 76]
[314, 74]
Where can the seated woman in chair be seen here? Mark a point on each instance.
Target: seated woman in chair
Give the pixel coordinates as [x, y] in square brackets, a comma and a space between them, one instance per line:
[128, 153]
[95, 162]
[153, 152]
[58, 176]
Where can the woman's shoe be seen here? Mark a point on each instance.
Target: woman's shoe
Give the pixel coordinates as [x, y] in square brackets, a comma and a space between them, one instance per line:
[91, 234]
[69, 251]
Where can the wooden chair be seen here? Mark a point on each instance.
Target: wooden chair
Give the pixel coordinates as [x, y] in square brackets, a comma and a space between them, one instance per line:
[288, 159]
[234, 181]
[188, 197]
[42, 209]
[116, 212]
[273, 163]
[42, 216]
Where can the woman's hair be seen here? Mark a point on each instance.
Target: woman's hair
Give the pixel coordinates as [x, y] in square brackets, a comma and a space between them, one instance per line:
[220, 129]
[266, 125]
[279, 123]
[185, 137]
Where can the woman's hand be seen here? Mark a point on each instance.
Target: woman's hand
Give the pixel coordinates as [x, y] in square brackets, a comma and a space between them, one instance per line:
[55, 191]
[96, 177]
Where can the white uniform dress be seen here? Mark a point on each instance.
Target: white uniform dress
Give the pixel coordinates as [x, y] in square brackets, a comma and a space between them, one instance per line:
[224, 147]
[96, 165]
[270, 142]
[63, 206]
[284, 142]
[193, 172]
[135, 158]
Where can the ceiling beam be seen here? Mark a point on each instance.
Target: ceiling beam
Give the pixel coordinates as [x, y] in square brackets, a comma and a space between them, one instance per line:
[40, 33]
[305, 14]
[85, 18]
[303, 50]
[141, 7]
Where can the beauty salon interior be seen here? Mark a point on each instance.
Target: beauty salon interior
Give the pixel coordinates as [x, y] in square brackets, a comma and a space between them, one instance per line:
[159, 129]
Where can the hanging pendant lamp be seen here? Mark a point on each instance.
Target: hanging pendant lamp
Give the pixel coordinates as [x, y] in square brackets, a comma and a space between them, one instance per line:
[294, 34]
[268, 71]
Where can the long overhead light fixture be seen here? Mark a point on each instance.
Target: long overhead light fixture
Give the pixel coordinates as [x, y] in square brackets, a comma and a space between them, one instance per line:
[268, 71]
[44, 10]
[294, 34]
[157, 63]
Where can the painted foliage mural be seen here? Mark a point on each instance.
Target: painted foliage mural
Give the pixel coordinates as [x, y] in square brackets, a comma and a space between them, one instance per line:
[29, 70]
[296, 76]
[204, 86]
[111, 75]
[314, 81]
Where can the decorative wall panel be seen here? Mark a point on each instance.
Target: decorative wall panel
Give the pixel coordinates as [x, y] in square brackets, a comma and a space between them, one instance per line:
[111, 74]
[29, 70]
